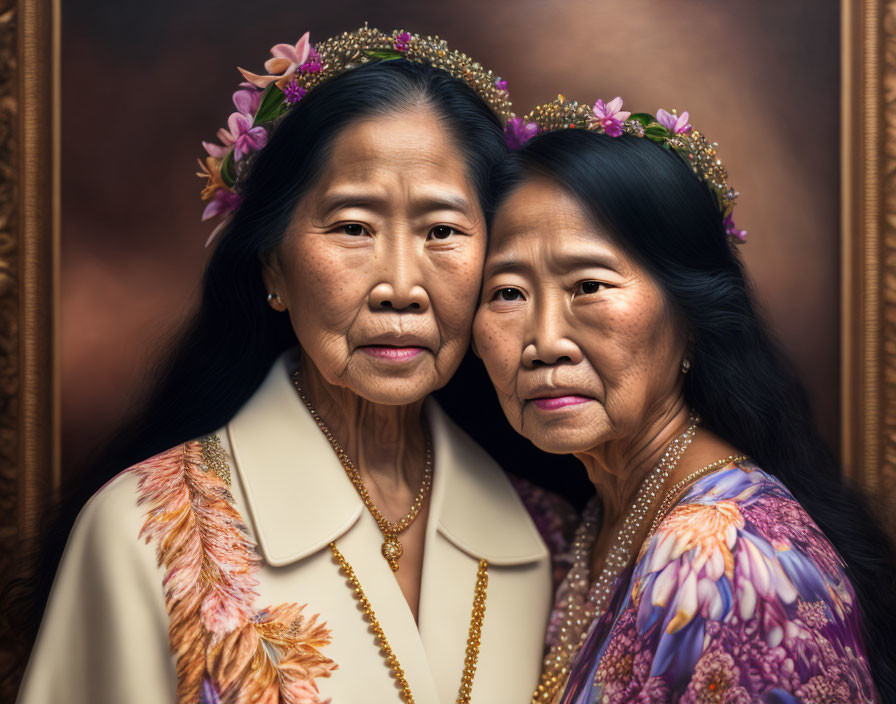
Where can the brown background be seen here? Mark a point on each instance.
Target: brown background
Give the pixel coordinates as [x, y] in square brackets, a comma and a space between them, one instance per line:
[144, 83]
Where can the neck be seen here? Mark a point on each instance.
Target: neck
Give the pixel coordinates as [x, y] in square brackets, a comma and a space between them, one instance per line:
[384, 442]
[618, 467]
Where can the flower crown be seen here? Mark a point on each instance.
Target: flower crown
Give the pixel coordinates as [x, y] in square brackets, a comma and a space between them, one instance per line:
[671, 130]
[262, 100]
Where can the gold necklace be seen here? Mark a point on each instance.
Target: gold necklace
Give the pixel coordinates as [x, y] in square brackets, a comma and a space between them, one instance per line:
[474, 638]
[392, 548]
[582, 608]
[676, 490]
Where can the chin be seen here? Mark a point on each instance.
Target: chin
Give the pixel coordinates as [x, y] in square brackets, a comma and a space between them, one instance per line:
[563, 444]
[562, 438]
[396, 392]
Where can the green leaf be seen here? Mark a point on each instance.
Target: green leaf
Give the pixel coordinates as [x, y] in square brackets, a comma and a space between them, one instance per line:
[383, 54]
[656, 132]
[228, 172]
[273, 105]
[643, 118]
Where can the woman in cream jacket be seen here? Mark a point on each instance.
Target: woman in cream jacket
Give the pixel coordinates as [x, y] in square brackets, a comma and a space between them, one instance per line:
[317, 527]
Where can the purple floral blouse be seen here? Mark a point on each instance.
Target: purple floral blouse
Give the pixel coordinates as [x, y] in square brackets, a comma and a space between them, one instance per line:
[737, 597]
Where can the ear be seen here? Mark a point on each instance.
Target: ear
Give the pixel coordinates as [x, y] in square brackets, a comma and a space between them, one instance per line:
[272, 276]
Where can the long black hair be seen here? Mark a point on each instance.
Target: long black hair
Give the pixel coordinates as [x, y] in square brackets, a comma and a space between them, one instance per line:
[742, 385]
[223, 352]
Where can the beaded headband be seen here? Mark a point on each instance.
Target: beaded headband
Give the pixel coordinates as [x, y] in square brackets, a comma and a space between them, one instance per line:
[262, 100]
[671, 130]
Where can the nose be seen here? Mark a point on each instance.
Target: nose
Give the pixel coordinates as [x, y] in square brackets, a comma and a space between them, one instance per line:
[549, 342]
[401, 284]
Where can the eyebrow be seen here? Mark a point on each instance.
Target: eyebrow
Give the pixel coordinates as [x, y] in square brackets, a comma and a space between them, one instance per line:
[505, 264]
[330, 203]
[567, 262]
[603, 260]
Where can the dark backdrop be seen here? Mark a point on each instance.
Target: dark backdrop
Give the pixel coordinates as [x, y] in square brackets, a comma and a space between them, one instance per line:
[144, 83]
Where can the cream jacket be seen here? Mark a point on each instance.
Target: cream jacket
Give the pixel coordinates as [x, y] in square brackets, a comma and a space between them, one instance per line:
[104, 637]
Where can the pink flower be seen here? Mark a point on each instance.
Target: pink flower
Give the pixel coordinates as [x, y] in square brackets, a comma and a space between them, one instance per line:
[224, 201]
[501, 85]
[676, 124]
[287, 59]
[611, 116]
[731, 230]
[402, 41]
[241, 135]
[517, 132]
[247, 99]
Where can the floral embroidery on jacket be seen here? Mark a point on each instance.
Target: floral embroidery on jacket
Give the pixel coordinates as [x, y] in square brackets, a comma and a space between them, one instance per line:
[226, 651]
[737, 597]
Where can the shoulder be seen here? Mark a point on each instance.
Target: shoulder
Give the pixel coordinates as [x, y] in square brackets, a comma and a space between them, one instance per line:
[119, 513]
[737, 582]
[479, 510]
[112, 515]
[555, 518]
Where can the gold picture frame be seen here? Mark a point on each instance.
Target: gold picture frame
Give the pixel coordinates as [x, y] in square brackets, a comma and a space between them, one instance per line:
[868, 249]
[29, 273]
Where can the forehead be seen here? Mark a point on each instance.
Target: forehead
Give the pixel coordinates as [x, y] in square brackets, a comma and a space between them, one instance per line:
[414, 143]
[540, 219]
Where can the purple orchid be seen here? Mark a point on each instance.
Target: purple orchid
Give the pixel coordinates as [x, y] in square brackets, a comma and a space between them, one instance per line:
[294, 92]
[247, 99]
[501, 85]
[402, 42]
[611, 116]
[518, 132]
[224, 201]
[731, 230]
[241, 135]
[676, 124]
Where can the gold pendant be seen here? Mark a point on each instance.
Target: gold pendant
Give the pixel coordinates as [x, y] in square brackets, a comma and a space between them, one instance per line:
[392, 550]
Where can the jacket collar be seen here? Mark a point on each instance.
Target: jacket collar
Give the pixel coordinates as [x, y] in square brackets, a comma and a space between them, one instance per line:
[299, 498]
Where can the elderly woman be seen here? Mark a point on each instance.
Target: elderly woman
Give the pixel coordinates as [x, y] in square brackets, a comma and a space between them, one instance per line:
[617, 325]
[319, 528]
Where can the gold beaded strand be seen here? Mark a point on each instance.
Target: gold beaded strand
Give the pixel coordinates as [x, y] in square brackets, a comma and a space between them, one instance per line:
[673, 493]
[392, 548]
[584, 604]
[474, 639]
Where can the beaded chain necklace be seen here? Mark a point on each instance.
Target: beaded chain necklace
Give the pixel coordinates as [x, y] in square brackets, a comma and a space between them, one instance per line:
[674, 492]
[392, 548]
[583, 606]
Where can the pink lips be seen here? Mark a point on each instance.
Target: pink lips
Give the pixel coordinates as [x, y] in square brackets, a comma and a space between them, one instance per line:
[552, 404]
[392, 354]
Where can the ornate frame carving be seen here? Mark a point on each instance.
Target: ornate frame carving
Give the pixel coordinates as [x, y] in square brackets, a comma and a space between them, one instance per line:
[868, 248]
[29, 238]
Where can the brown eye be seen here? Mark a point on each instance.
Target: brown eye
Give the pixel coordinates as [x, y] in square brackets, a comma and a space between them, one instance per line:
[442, 232]
[353, 229]
[508, 294]
[587, 287]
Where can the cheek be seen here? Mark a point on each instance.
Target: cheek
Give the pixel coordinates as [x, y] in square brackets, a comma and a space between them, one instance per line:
[631, 347]
[498, 344]
[454, 288]
[323, 289]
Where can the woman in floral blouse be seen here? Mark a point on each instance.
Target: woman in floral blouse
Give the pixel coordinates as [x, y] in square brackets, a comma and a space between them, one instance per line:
[722, 559]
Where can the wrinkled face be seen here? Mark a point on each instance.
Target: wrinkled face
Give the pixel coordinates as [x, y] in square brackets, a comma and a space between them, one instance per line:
[381, 265]
[576, 337]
